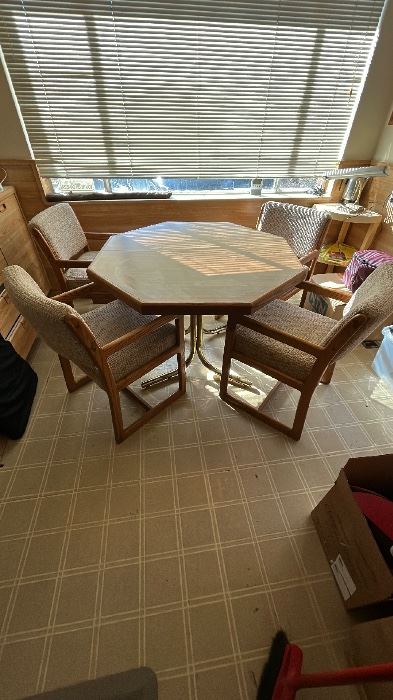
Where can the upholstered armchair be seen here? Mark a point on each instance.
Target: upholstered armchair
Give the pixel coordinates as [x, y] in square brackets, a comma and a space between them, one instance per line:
[299, 347]
[63, 243]
[112, 344]
[303, 228]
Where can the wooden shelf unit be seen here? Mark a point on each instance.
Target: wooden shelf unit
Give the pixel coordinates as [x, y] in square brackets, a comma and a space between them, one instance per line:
[370, 219]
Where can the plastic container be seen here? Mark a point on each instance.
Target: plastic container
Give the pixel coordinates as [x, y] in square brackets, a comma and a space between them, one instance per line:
[383, 361]
[256, 185]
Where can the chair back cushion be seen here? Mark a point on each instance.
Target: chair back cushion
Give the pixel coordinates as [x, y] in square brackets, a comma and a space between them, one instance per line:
[373, 299]
[47, 316]
[302, 227]
[61, 230]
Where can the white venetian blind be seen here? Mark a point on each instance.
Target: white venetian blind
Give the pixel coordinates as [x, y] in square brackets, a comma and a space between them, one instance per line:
[209, 88]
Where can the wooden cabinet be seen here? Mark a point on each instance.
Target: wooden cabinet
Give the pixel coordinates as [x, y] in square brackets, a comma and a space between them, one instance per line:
[3, 264]
[8, 314]
[22, 336]
[16, 248]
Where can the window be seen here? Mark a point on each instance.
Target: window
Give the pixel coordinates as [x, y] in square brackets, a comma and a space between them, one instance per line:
[192, 89]
[182, 185]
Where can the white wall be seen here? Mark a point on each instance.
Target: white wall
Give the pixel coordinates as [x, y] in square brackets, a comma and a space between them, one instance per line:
[384, 149]
[14, 143]
[374, 105]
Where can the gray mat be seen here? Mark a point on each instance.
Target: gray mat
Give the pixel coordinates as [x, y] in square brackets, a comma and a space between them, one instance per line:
[136, 684]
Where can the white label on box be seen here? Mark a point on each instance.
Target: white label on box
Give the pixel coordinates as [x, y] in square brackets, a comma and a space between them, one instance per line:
[343, 577]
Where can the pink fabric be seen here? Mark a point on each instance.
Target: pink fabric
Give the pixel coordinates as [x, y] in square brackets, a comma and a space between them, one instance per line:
[362, 265]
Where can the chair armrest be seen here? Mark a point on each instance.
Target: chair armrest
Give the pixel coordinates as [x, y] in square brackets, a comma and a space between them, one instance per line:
[96, 239]
[338, 294]
[66, 297]
[132, 336]
[281, 336]
[99, 235]
[312, 255]
[72, 263]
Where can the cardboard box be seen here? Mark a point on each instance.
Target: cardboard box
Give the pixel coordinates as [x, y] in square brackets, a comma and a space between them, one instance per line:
[357, 564]
[323, 305]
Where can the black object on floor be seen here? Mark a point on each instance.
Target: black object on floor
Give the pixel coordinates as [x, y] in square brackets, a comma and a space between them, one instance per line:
[136, 684]
[18, 384]
[370, 344]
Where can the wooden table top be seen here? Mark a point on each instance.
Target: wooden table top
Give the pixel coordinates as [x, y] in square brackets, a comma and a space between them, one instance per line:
[196, 267]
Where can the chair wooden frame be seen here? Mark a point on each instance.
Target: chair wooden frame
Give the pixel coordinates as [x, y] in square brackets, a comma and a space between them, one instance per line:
[58, 265]
[101, 353]
[322, 370]
[310, 260]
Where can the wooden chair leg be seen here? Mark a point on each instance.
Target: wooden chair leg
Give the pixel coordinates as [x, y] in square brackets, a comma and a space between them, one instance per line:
[180, 356]
[328, 374]
[296, 430]
[121, 432]
[303, 298]
[181, 369]
[225, 370]
[301, 414]
[117, 417]
[71, 382]
[226, 360]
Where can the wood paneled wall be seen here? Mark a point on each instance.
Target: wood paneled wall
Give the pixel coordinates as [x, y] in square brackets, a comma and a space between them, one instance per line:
[379, 197]
[123, 215]
[23, 175]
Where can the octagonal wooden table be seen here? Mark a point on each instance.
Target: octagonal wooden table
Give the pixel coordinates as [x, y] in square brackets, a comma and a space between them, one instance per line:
[196, 268]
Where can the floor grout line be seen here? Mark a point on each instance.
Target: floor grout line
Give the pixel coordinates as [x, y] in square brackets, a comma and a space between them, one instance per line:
[202, 424]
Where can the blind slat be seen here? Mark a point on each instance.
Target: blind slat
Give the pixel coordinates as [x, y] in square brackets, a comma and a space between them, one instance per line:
[141, 88]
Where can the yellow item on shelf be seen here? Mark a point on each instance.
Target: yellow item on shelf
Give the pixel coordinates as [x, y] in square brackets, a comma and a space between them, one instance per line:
[336, 254]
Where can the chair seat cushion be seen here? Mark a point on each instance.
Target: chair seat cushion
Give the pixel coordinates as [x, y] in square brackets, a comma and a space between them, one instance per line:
[76, 276]
[289, 318]
[112, 320]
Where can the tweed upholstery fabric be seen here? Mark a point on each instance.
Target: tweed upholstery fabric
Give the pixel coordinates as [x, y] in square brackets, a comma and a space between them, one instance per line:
[115, 319]
[47, 317]
[61, 230]
[289, 318]
[374, 299]
[106, 322]
[76, 276]
[302, 227]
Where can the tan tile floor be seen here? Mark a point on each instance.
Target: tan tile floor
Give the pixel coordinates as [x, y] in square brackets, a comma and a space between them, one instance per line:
[185, 547]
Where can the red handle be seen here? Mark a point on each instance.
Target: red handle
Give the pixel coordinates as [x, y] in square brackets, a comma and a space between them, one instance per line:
[347, 676]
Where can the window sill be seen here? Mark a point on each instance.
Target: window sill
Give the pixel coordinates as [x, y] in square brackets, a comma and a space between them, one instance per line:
[259, 198]
[292, 197]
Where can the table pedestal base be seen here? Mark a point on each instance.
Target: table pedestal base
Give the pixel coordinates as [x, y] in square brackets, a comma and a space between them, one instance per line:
[196, 348]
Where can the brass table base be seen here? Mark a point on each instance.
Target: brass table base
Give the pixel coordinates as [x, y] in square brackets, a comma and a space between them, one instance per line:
[196, 348]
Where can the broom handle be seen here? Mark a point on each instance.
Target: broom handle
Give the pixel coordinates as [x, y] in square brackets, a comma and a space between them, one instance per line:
[347, 676]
